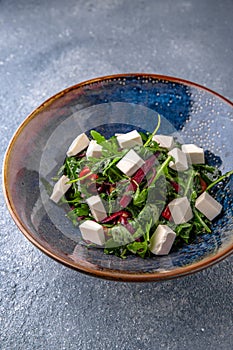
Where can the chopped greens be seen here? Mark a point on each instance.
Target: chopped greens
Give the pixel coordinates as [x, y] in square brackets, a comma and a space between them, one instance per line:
[136, 205]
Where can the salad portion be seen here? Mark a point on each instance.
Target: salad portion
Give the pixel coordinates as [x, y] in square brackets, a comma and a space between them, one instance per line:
[137, 193]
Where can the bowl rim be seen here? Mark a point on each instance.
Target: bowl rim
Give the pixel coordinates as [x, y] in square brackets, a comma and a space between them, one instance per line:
[110, 274]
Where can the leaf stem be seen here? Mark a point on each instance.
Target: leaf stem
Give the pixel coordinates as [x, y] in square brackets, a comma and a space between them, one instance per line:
[229, 173]
[192, 174]
[201, 221]
[160, 171]
[154, 132]
[80, 178]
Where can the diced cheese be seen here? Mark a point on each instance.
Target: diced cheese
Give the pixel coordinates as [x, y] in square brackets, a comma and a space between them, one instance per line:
[60, 188]
[93, 232]
[195, 154]
[130, 139]
[208, 206]
[164, 141]
[162, 240]
[79, 144]
[94, 150]
[180, 209]
[180, 160]
[130, 163]
[96, 207]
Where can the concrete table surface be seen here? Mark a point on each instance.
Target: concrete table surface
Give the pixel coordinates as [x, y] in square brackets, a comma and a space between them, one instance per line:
[46, 46]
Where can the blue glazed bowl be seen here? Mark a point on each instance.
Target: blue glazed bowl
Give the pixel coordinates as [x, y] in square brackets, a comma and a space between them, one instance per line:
[112, 104]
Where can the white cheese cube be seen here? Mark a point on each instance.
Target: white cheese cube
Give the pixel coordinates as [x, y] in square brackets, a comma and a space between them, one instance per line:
[79, 144]
[96, 207]
[162, 240]
[94, 150]
[180, 160]
[195, 154]
[130, 163]
[93, 232]
[208, 206]
[180, 209]
[164, 141]
[130, 139]
[60, 188]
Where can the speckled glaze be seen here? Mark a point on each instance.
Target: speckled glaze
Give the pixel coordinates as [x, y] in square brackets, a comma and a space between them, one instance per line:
[117, 104]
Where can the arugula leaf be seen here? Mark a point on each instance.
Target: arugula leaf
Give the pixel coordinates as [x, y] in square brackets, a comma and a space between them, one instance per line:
[200, 221]
[110, 164]
[110, 147]
[207, 172]
[97, 136]
[120, 235]
[183, 230]
[150, 211]
[139, 248]
[140, 196]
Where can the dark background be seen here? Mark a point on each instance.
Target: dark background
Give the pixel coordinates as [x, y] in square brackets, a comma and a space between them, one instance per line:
[46, 46]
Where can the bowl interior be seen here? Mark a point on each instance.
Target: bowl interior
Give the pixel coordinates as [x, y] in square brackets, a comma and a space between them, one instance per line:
[116, 104]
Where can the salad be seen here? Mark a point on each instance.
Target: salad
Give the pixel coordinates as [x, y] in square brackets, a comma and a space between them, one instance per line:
[137, 193]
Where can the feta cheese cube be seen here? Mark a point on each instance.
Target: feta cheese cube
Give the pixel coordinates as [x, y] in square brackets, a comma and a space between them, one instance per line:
[162, 240]
[79, 144]
[164, 141]
[180, 209]
[94, 150]
[208, 206]
[180, 160]
[93, 232]
[130, 139]
[60, 188]
[96, 207]
[195, 154]
[130, 163]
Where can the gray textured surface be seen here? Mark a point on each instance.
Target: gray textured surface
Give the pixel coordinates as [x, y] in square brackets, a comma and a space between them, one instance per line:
[46, 46]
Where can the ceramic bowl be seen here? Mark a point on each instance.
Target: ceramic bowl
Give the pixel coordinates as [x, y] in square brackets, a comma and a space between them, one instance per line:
[112, 104]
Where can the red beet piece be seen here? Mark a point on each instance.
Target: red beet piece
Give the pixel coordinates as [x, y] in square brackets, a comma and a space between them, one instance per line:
[175, 185]
[115, 216]
[124, 221]
[203, 184]
[166, 214]
[137, 179]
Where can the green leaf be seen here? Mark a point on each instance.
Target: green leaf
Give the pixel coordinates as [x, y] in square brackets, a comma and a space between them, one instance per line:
[120, 235]
[140, 196]
[139, 248]
[207, 172]
[110, 164]
[183, 231]
[199, 219]
[149, 212]
[111, 146]
[148, 229]
[97, 136]
[81, 210]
